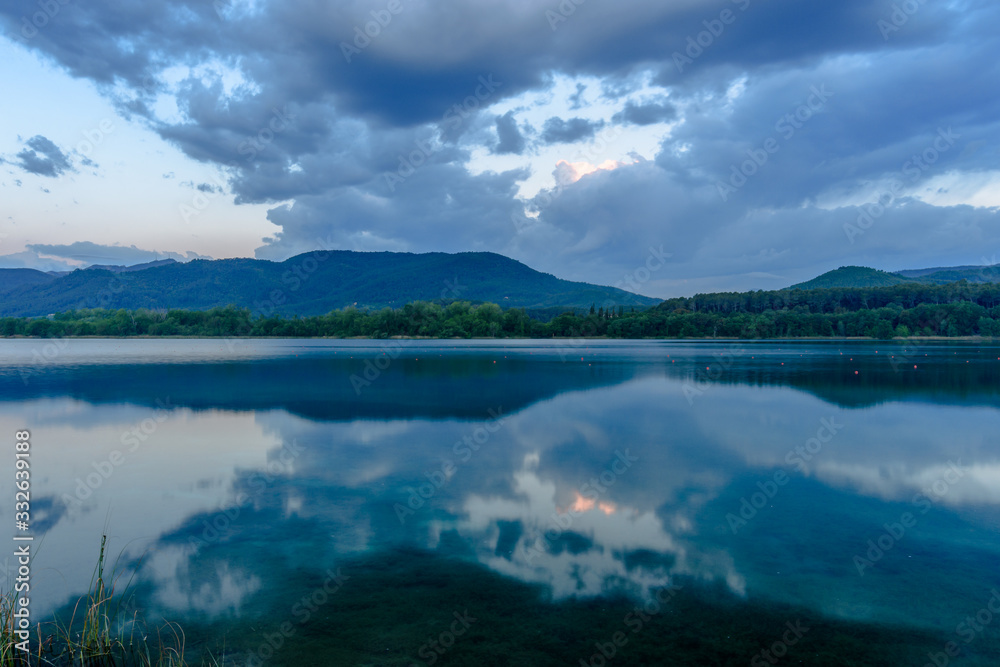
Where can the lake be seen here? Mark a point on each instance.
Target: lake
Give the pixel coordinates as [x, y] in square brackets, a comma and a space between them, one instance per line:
[315, 502]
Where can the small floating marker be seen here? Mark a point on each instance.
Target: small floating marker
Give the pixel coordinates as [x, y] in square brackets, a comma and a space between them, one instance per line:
[914, 365]
[855, 372]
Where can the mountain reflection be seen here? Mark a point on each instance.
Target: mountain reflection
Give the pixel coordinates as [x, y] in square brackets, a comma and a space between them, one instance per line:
[613, 476]
[344, 380]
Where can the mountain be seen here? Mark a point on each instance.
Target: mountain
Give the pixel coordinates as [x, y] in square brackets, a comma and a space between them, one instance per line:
[309, 284]
[117, 268]
[940, 276]
[13, 279]
[862, 276]
[852, 276]
[917, 273]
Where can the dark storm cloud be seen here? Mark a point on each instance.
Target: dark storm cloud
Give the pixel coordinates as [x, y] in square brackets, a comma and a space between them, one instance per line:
[559, 131]
[42, 157]
[645, 114]
[425, 60]
[465, 213]
[412, 100]
[511, 140]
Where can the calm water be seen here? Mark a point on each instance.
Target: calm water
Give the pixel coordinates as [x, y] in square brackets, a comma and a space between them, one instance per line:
[522, 503]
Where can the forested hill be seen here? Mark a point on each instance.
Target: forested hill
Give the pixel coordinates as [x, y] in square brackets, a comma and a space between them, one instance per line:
[852, 276]
[954, 309]
[862, 276]
[838, 299]
[308, 284]
[959, 309]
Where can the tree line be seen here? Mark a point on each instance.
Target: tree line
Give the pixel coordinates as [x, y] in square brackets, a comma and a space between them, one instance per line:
[957, 309]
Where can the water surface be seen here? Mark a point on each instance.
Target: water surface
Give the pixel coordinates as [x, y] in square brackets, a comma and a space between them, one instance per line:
[523, 502]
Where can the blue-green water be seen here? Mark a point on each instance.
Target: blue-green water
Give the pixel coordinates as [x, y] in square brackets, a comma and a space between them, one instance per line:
[522, 503]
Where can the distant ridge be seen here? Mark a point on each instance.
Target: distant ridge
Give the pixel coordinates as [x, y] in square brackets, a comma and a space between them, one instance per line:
[115, 268]
[863, 276]
[939, 276]
[13, 279]
[917, 273]
[309, 284]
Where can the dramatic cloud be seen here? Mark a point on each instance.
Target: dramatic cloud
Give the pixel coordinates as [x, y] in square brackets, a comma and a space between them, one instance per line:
[42, 157]
[28, 259]
[559, 131]
[645, 114]
[511, 140]
[749, 139]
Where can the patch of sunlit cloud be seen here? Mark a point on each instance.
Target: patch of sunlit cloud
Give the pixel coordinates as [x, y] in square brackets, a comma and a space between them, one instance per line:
[571, 172]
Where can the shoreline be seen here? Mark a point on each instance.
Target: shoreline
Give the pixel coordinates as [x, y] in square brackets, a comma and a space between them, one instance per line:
[818, 339]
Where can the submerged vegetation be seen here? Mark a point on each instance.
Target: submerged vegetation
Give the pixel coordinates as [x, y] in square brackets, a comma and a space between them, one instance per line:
[400, 605]
[956, 309]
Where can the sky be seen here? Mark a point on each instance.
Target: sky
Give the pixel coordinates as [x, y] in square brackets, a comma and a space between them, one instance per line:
[668, 147]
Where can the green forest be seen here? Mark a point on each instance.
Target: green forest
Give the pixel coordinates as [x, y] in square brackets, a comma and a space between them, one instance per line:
[956, 309]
